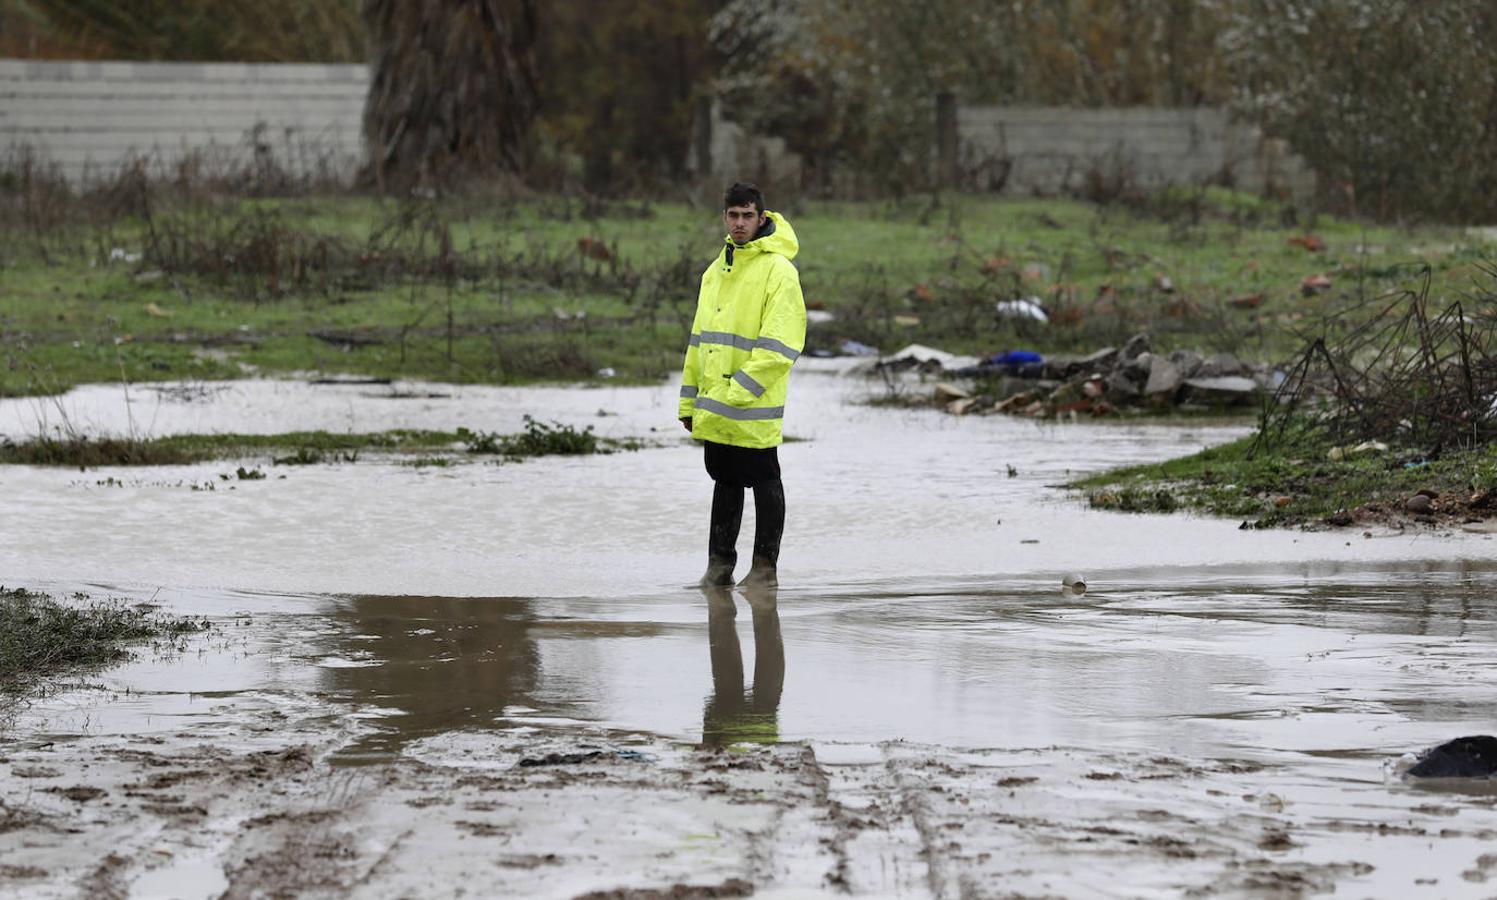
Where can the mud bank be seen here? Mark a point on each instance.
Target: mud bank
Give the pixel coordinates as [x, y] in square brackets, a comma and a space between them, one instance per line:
[645, 818]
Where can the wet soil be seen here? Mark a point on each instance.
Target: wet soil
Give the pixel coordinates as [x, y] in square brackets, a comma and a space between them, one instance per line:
[487, 680]
[892, 819]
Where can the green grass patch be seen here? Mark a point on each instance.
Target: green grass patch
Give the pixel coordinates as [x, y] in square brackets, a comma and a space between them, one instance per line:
[549, 290]
[308, 447]
[41, 636]
[1297, 483]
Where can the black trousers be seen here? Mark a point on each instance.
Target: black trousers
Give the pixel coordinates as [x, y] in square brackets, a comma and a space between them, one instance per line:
[733, 469]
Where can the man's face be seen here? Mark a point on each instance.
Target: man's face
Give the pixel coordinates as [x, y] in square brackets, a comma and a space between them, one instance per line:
[743, 222]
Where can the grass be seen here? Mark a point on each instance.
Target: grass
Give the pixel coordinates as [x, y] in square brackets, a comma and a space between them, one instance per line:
[469, 291]
[308, 447]
[538, 439]
[41, 636]
[1299, 484]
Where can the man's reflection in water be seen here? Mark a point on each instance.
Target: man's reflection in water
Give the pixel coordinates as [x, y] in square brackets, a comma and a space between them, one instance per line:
[446, 663]
[733, 715]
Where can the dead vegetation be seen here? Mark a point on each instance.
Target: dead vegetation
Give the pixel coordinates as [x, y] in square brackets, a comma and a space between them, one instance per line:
[197, 219]
[1401, 370]
[465, 288]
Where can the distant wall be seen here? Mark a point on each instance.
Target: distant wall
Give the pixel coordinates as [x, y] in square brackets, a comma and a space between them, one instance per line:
[1051, 150]
[94, 115]
[726, 151]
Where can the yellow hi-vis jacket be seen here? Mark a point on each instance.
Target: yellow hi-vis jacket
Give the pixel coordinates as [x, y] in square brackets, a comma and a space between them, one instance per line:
[750, 326]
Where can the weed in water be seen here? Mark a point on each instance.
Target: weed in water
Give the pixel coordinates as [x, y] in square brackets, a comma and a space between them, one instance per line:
[306, 447]
[42, 636]
[85, 452]
[541, 439]
[538, 439]
[428, 462]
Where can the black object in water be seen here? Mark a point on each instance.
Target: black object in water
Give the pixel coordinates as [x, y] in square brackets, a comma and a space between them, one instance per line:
[1464, 757]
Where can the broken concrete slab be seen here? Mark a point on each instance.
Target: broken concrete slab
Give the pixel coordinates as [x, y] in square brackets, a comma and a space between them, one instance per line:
[1121, 387]
[1061, 365]
[1100, 360]
[1227, 388]
[1101, 380]
[947, 392]
[1220, 364]
[1188, 362]
[1164, 377]
[1136, 346]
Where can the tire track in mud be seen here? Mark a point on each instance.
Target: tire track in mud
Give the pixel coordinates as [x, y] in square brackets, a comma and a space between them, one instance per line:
[642, 817]
[288, 854]
[876, 841]
[816, 778]
[912, 792]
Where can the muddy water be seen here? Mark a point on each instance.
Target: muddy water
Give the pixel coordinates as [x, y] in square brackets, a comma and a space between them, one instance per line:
[876, 497]
[453, 616]
[1291, 665]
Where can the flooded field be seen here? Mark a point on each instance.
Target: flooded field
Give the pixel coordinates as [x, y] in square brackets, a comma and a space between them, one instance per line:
[492, 679]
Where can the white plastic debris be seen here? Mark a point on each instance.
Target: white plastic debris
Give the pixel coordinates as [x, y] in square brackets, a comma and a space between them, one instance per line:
[1027, 308]
[923, 354]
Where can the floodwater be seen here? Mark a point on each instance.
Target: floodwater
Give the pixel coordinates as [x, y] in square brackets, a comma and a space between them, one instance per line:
[1220, 712]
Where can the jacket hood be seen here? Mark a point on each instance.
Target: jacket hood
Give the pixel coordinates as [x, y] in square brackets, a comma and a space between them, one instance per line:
[776, 237]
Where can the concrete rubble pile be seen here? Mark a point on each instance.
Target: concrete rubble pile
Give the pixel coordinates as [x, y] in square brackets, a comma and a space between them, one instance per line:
[1108, 381]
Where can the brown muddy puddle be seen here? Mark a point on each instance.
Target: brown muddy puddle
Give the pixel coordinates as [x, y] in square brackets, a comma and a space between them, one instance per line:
[1313, 660]
[491, 677]
[1235, 730]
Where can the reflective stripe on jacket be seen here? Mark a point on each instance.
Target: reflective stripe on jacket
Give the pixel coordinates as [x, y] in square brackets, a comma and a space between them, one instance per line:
[749, 329]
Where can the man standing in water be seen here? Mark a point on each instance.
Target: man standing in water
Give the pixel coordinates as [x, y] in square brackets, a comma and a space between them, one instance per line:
[750, 326]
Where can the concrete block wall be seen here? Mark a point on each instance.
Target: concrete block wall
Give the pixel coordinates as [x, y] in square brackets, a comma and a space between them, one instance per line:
[1052, 150]
[92, 116]
[735, 155]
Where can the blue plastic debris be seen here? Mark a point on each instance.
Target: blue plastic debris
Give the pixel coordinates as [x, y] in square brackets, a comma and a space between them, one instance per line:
[1019, 363]
[1012, 360]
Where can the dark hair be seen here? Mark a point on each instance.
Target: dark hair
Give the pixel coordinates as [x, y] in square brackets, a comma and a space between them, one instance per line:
[741, 194]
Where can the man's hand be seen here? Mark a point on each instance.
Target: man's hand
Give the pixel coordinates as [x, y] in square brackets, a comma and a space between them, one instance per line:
[686, 420]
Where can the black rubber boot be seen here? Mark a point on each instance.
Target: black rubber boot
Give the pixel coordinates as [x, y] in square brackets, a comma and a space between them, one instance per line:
[722, 550]
[769, 528]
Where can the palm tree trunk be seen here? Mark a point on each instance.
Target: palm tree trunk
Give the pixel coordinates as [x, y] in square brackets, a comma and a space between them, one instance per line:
[453, 92]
